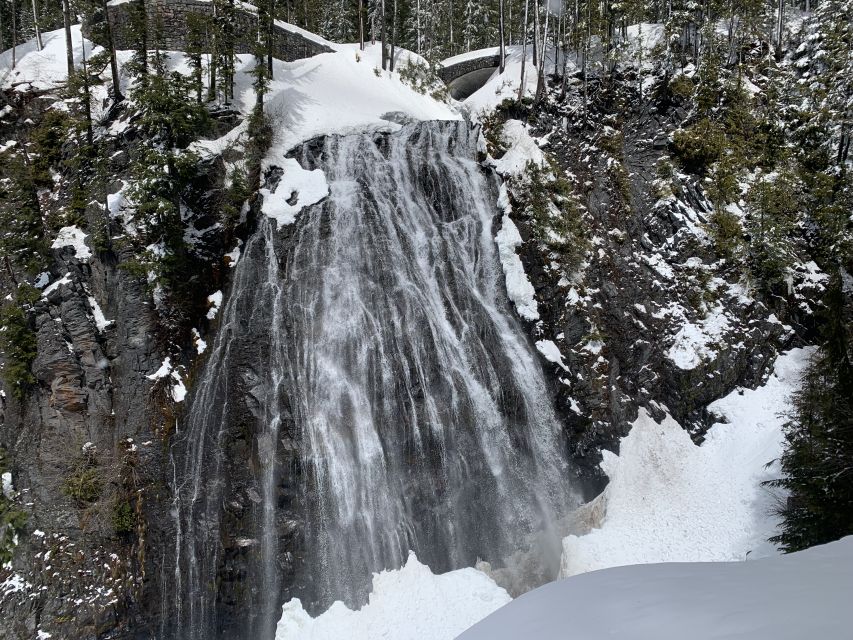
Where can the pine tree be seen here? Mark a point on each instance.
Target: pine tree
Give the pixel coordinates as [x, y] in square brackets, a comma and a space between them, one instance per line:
[818, 458]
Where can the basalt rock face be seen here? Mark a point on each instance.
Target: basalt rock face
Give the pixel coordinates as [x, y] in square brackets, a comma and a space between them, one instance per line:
[653, 317]
[69, 443]
[86, 445]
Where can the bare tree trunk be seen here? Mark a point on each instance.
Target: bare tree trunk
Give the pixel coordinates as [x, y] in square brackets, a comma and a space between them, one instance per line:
[270, 35]
[535, 33]
[69, 46]
[87, 99]
[779, 26]
[39, 43]
[111, 47]
[383, 38]
[452, 47]
[393, 36]
[523, 52]
[502, 50]
[361, 24]
[14, 36]
[541, 89]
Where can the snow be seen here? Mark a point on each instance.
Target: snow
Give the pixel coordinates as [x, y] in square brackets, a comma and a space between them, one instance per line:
[521, 149]
[551, 352]
[215, 300]
[66, 279]
[8, 487]
[505, 85]
[200, 345]
[299, 186]
[73, 236]
[792, 597]
[695, 341]
[338, 93]
[671, 501]
[411, 603]
[234, 255]
[164, 370]
[518, 287]
[43, 69]
[178, 389]
[470, 55]
[100, 320]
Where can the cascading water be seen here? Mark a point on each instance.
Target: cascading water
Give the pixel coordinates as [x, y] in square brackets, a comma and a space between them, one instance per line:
[392, 380]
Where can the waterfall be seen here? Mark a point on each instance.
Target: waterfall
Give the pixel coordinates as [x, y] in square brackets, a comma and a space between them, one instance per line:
[395, 401]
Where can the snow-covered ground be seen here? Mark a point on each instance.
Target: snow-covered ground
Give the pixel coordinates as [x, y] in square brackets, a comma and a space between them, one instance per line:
[671, 501]
[45, 69]
[800, 596]
[411, 603]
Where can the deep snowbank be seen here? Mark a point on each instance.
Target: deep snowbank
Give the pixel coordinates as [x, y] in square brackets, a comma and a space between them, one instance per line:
[795, 597]
[671, 501]
[411, 603]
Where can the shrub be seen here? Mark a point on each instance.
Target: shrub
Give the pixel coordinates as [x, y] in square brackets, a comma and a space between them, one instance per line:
[123, 517]
[83, 485]
[700, 145]
[727, 232]
[18, 341]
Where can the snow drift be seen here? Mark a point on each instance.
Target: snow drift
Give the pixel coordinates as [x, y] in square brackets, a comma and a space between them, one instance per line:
[793, 597]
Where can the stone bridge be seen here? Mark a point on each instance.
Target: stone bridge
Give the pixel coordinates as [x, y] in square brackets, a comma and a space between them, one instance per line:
[465, 73]
[169, 18]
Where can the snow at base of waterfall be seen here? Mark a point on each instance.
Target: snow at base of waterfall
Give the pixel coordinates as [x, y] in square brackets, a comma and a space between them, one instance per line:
[669, 500]
[411, 603]
[792, 597]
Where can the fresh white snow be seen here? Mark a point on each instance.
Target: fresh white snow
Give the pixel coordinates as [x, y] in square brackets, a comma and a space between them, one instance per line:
[800, 596]
[411, 603]
[671, 501]
[73, 236]
[551, 352]
[215, 301]
[298, 186]
[100, 320]
[695, 341]
[518, 287]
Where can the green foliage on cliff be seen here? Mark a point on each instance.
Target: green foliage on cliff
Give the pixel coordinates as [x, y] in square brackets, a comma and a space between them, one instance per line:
[18, 341]
[12, 518]
[818, 459]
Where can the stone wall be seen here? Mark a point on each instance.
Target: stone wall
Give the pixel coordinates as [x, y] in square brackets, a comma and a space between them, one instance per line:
[167, 20]
[453, 71]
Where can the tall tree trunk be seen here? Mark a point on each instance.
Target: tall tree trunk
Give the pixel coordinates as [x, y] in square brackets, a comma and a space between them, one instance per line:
[393, 36]
[452, 47]
[69, 46]
[14, 36]
[39, 43]
[382, 37]
[361, 25]
[87, 97]
[111, 48]
[536, 33]
[523, 52]
[779, 26]
[540, 73]
[270, 36]
[502, 49]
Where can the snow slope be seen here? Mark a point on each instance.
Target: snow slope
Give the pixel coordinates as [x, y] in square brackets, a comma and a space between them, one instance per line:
[671, 501]
[795, 597]
[411, 603]
[43, 69]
